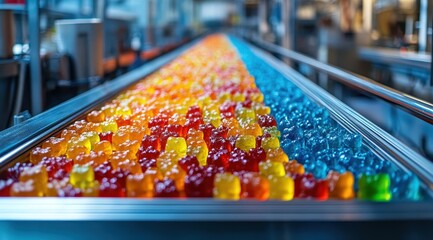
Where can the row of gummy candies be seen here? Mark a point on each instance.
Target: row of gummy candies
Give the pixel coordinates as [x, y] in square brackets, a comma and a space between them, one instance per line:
[196, 128]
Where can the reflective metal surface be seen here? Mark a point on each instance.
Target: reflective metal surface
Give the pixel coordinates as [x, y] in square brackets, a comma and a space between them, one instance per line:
[395, 56]
[420, 108]
[43, 209]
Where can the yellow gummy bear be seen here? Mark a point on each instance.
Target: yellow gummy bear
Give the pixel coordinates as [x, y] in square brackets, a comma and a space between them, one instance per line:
[227, 187]
[271, 168]
[246, 142]
[281, 188]
[270, 143]
[81, 175]
[177, 145]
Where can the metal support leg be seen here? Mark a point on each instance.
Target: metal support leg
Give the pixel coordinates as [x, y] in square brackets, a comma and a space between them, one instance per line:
[37, 95]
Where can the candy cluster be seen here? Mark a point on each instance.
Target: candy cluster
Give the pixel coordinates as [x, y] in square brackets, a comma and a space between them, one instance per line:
[199, 127]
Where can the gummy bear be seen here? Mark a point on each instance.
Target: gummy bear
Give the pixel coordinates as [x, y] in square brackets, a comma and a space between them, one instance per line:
[374, 187]
[227, 187]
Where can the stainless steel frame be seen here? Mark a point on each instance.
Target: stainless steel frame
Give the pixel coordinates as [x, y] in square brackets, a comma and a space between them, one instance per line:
[24, 211]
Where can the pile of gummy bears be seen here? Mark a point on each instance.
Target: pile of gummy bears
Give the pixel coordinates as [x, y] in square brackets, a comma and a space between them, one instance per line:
[201, 127]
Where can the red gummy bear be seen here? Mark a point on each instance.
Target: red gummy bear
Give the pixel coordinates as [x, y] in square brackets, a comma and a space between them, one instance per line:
[254, 186]
[218, 157]
[166, 188]
[220, 143]
[175, 128]
[267, 121]
[199, 181]
[220, 132]
[158, 121]
[260, 138]
[146, 163]
[207, 131]
[151, 141]
[15, 171]
[110, 187]
[308, 187]
[106, 136]
[69, 191]
[121, 176]
[123, 121]
[148, 152]
[103, 171]
[193, 123]
[193, 112]
[237, 161]
[5, 186]
[188, 162]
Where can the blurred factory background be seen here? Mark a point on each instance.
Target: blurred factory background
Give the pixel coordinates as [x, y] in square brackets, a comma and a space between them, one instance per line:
[53, 50]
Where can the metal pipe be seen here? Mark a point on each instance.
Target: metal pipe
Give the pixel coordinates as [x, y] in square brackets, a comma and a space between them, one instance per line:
[418, 107]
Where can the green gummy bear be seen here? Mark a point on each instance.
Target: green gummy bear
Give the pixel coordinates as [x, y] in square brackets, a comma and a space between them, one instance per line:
[375, 187]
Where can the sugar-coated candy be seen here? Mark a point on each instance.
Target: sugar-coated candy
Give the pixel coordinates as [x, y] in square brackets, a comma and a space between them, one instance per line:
[200, 152]
[226, 187]
[273, 131]
[374, 187]
[109, 126]
[130, 166]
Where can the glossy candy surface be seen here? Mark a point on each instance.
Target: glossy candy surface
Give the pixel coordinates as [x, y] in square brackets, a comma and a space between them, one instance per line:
[215, 122]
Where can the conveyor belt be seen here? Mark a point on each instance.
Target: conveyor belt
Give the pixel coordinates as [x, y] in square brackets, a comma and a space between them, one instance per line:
[18, 140]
